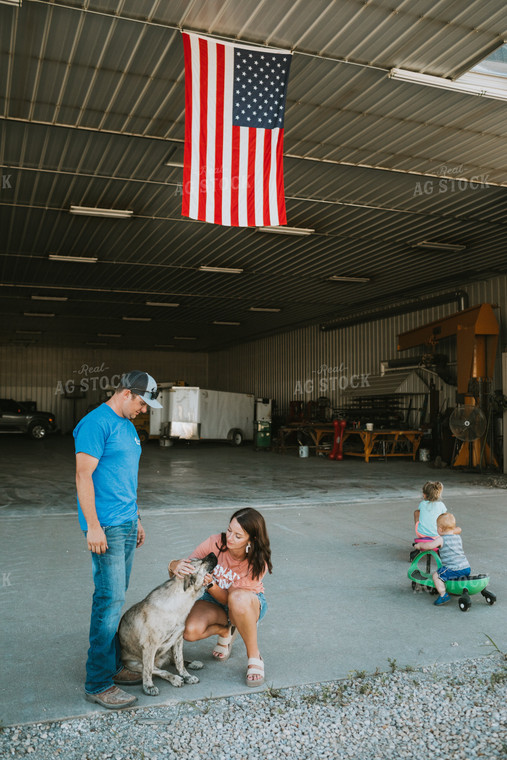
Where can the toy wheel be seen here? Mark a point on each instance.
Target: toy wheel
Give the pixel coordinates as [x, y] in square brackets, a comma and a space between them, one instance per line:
[414, 585]
[464, 603]
[489, 596]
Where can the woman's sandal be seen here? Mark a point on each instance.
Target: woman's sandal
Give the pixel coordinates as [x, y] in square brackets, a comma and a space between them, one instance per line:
[223, 647]
[255, 668]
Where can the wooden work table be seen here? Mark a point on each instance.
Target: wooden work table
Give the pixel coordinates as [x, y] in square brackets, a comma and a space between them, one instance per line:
[384, 443]
[375, 443]
[316, 432]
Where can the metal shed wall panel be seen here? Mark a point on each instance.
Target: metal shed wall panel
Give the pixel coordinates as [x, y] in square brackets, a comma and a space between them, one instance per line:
[306, 363]
[30, 373]
[300, 364]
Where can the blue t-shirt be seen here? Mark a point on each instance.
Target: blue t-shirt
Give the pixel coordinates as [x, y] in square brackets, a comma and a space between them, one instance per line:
[113, 440]
[428, 513]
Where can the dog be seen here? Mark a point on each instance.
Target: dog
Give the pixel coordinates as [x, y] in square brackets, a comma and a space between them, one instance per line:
[151, 631]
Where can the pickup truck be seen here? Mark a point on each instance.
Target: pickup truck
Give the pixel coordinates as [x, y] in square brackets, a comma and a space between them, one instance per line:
[17, 418]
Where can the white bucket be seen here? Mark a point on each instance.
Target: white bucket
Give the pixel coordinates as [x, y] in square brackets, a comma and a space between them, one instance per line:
[304, 451]
[424, 455]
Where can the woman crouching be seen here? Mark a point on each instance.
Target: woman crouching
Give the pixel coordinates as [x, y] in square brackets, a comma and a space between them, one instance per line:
[235, 601]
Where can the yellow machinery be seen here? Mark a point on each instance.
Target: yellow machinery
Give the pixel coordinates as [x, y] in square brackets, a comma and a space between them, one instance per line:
[476, 330]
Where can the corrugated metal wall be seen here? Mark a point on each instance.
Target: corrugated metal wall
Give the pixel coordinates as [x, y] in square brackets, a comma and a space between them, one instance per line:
[45, 375]
[301, 364]
[306, 363]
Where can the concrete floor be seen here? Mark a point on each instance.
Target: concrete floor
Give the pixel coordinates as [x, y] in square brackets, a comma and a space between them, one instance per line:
[339, 597]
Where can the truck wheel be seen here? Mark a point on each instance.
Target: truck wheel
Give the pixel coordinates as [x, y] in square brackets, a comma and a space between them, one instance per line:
[38, 431]
[237, 438]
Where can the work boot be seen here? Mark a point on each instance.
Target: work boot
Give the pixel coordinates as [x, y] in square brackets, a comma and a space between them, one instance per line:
[112, 698]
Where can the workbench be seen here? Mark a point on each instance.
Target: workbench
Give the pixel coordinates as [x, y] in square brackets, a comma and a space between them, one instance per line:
[384, 443]
[375, 443]
[317, 432]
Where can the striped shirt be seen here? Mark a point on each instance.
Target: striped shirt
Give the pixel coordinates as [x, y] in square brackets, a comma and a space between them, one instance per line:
[451, 552]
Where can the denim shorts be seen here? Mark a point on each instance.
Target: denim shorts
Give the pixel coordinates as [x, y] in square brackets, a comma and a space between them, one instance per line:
[262, 600]
[446, 574]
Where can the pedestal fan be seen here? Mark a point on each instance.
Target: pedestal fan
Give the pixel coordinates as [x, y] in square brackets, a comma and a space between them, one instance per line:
[468, 423]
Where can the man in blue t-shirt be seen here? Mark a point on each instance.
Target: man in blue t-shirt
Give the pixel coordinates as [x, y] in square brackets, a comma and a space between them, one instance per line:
[107, 462]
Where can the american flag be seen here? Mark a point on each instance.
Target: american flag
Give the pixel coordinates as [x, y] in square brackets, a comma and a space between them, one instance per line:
[234, 111]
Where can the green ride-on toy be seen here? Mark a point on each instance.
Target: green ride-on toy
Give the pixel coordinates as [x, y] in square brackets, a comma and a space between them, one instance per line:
[421, 570]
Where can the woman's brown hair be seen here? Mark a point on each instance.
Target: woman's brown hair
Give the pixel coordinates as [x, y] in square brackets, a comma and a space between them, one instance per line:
[259, 554]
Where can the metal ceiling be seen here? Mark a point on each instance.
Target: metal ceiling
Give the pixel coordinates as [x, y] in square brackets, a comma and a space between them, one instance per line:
[92, 108]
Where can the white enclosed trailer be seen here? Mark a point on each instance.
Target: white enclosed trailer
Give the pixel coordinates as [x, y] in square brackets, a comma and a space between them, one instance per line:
[160, 417]
[199, 414]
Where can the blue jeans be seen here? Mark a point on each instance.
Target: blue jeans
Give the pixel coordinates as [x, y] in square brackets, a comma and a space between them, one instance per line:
[111, 573]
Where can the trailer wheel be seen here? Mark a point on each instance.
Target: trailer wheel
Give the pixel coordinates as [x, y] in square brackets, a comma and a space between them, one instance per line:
[236, 438]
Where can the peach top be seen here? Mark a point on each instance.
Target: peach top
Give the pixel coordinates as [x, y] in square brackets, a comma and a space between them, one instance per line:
[229, 572]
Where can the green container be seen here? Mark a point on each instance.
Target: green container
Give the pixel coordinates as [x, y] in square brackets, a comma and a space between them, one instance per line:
[262, 434]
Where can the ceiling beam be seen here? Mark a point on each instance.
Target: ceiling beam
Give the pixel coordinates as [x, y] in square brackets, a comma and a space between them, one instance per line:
[293, 156]
[298, 198]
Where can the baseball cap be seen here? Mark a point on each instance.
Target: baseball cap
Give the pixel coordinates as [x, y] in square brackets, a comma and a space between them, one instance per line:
[143, 385]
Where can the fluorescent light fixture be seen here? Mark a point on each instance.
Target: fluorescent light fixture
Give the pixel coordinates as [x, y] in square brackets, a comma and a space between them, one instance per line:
[184, 337]
[162, 303]
[338, 278]
[468, 88]
[11, 2]
[137, 319]
[37, 314]
[439, 246]
[29, 332]
[109, 335]
[224, 270]
[113, 213]
[175, 156]
[287, 230]
[49, 298]
[78, 259]
[219, 322]
[261, 308]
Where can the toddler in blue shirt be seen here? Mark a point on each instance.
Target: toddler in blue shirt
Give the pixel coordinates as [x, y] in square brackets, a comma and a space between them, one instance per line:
[430, 508]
